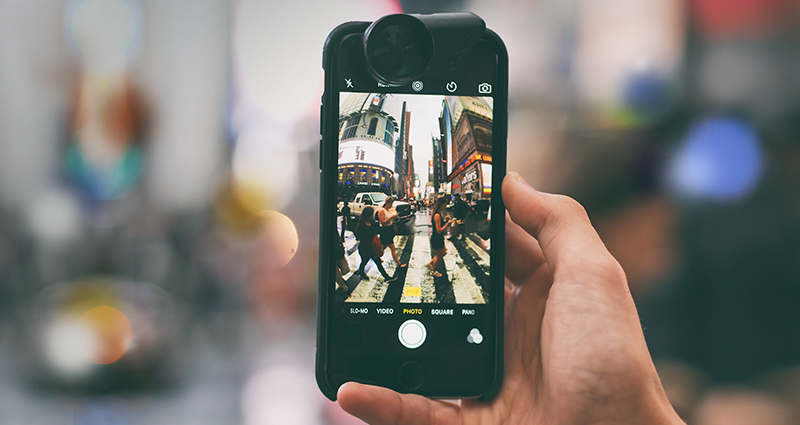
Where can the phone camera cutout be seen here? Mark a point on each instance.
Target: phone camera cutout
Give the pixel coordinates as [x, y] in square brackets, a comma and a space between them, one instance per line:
[474, 336]
[417, 85]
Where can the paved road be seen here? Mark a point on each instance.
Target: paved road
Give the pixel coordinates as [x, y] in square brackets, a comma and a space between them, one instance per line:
[465, 269]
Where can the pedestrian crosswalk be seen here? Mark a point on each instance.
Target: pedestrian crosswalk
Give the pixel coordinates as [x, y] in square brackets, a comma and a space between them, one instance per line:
[478, 252]
[418, 276]
[465, 287]
[374, 288]
[463, 280]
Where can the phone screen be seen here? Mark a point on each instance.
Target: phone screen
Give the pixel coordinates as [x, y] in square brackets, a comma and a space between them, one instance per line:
[417, 275]
[400, 154]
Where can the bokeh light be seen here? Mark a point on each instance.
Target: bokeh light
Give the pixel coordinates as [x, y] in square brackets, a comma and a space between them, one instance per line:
[238, 204]
[626, 59]
[101, 335]
[720, 159]
[69, 345]
[647, 93]
[113, 333]
[279, 240]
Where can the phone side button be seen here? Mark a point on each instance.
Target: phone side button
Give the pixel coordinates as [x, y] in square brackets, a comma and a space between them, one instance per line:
[411, 375]
[321, 133]
[321, 119]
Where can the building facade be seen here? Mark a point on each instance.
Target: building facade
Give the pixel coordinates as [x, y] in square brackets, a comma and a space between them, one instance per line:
[368, 134]
[465, 147]
[404, 159]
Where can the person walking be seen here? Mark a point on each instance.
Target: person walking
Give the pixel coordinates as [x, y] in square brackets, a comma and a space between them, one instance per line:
[460, 210]
[345, 211]
[365, 233]
[342, 266]
[438, 226]
[386, 216]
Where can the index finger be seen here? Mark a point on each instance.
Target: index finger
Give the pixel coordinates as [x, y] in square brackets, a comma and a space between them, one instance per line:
[558, 223]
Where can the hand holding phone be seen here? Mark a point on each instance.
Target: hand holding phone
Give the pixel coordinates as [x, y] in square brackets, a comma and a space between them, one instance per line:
[414, 108]
[582, 359]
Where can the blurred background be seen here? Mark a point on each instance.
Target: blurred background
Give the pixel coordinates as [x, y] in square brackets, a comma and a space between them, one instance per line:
[159, 195]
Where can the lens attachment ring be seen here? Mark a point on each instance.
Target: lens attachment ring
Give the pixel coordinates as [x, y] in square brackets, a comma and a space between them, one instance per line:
[398, 49]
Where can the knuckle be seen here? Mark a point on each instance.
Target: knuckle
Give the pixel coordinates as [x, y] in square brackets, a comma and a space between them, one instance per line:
[612, 268]
[598, 268]
[609, 270]
[571, 206]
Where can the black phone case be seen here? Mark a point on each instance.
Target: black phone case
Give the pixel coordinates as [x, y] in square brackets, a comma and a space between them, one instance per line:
[328, 166]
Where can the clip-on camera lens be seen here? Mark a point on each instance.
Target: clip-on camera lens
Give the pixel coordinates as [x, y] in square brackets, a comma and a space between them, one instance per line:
[402, 48]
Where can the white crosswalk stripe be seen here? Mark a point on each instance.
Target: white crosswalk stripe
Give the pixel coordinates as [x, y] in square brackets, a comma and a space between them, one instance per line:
[374, 288]
[479, 254]
[465, 288]
[419, 282]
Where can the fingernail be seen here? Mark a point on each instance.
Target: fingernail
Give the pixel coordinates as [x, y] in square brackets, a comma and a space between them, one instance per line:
[514, 175]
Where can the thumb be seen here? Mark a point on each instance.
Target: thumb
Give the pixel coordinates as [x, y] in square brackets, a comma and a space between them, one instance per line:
[382, 406]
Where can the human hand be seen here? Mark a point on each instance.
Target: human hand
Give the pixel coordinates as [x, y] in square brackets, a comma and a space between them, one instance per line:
[574, 349]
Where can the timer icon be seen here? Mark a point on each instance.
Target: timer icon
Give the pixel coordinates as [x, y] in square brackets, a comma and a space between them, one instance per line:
[451, 86]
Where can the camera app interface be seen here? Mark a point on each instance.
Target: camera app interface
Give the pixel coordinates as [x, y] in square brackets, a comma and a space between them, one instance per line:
[414, 190]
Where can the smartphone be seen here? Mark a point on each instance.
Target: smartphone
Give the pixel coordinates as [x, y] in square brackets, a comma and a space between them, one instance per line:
[413, 153]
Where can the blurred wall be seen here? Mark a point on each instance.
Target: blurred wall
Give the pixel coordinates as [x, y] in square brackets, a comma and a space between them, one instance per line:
[33, 79]
[184, 70]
